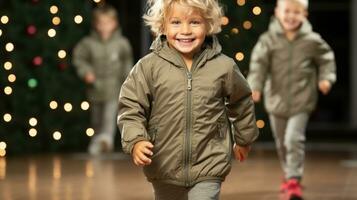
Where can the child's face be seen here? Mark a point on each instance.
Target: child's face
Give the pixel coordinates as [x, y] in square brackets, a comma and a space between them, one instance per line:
[105, 25]
[290, 14]
[185, 29]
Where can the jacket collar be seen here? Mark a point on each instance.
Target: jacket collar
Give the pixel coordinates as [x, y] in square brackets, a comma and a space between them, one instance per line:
[275, 27]
[210, 48]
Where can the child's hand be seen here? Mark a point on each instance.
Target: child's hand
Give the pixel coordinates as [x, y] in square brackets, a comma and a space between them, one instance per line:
[141, 153]
[324, 86]
[241, 153]
[89, 78]
[256, 96]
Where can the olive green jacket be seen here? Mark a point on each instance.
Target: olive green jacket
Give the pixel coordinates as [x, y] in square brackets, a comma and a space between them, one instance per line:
[289, 71]
[187, 115]
[110, 61]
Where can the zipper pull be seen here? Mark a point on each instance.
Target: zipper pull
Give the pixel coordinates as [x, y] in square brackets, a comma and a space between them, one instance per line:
[189, 81]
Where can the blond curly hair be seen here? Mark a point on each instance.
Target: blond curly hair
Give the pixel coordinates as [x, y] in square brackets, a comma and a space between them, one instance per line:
[304, 3]
[158, 10]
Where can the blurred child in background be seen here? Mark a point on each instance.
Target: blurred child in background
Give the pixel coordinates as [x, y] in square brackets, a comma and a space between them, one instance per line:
[290, 63]
[103, 59]
[177, 105]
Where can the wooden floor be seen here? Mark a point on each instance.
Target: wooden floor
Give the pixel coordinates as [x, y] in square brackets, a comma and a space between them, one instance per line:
[330, 174]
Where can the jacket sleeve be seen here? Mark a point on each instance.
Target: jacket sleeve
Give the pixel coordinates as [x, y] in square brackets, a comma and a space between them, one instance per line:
[325, 59]
[127, 58]
[81, 58]
[259, 65]
[134, 108]
[240, 108]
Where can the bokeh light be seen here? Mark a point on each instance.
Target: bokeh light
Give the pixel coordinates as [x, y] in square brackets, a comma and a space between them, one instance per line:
[53, 105]
[7, 65]
[33, 132]
[85, 105]
[257, 10]
[8, 90]
[235, 31]
[32, 83]
[51, 32]
[68, 107]
[239, 56]
[78, 19]
[61, 53]
[53, 9]
[33, 121]
[260, 123]
[224, 20]
[90, 132]
[7, 117]
[9, 47]
[247, 25]
[57, 135]
[56, 21]
[241, 2]
[3, 145]
[4, 19]
[11, 78]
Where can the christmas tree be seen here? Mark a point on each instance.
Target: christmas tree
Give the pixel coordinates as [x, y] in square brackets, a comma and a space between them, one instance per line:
[42, 100]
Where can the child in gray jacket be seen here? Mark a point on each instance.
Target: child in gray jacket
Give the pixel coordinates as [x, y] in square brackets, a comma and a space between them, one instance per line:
[290, 62]
[103, 59]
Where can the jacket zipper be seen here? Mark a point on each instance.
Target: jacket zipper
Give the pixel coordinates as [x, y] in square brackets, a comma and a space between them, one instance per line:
[290, 76]
[188, 129]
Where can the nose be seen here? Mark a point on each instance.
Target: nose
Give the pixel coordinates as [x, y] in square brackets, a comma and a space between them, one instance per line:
[186, 28]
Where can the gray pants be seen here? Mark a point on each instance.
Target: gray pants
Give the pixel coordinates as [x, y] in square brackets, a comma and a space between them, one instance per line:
[206, 190]
[103, 119]
[289, 135]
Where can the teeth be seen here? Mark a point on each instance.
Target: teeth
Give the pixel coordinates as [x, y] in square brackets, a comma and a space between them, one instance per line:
[185, 40]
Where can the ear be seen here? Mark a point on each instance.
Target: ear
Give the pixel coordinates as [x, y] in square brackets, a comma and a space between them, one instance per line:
[306, 13]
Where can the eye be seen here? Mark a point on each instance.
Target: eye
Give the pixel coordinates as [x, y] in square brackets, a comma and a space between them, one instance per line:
[195, 22]
[175, 22]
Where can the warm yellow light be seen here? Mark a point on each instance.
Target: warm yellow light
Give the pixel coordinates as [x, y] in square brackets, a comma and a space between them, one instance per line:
[85, 105]
[33, 121]
[51, 32]
[96, 1]
[7, 65]
[260, 124]
[32, 132]
[53, 105]
[247, 25]
[57, 135]
[2, 152]
[7, 117]
[90, 132]
[224, 20]
[4, 19]
[68, 107]
[3, 145]
[9, 47]
[61, 53]
[257, 10]
[0, 32]
[11, 78]
[8, 90]
[239, 56]
[53, 9]
[241, 2]
[234, 31]
[78, 19]
[56, 21]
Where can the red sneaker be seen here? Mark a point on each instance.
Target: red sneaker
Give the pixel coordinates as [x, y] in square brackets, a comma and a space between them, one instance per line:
[294, 191]
[284, 186]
